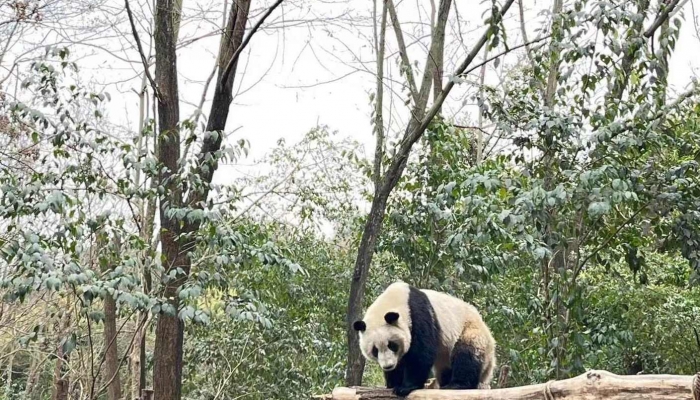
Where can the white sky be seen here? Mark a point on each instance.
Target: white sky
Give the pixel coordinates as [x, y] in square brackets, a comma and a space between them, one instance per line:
[286, 68]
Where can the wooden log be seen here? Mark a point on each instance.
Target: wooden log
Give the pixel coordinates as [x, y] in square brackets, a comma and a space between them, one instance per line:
[592, 385]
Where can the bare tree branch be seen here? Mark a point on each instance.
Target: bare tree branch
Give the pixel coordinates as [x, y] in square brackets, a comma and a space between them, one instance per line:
[405, 63]
[379, 105]
[237, 53]
[663, 16]
[144, 61]
[504, 52]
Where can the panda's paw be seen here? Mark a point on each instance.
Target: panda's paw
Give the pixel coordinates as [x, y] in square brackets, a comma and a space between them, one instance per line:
[403, 391]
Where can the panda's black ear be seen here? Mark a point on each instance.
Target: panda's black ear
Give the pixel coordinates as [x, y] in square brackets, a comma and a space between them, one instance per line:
[359, 326]
[391, 317]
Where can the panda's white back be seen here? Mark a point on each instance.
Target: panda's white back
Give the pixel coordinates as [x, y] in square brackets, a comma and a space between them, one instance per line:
[452, 314]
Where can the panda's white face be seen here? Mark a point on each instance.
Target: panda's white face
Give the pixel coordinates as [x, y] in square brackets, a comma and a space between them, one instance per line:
[385, 345]
[385, 330]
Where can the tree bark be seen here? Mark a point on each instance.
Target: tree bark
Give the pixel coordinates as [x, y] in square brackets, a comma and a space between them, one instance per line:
[60, 380]
[60, 377]
[114, 390]
[32, 378]
[231, 41]
[415, 129]
[138, 358]
[167, 374]
[480, 131]
[592, 385]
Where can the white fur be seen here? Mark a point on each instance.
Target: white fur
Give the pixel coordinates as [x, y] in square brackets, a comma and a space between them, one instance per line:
[459, 319]
[378, 332]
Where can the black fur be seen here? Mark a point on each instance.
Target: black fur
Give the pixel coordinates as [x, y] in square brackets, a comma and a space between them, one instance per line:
[416, 364]
[391, 317]
[359, 326]
[395, 377]
[466, 367]
[445, 377]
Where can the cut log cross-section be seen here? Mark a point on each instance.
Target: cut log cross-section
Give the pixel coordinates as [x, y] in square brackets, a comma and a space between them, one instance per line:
[592, 385]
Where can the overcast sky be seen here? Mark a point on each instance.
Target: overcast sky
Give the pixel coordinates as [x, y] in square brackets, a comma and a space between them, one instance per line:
[317, 70]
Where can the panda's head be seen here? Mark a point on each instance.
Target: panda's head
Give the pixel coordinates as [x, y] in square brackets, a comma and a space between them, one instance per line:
[384, 341]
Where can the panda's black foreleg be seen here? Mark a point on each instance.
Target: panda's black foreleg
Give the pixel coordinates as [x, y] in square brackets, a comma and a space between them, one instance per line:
[466, 367]
[416, 373]
[394, 378]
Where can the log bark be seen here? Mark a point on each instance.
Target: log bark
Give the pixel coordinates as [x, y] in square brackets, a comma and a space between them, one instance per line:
[592, 385]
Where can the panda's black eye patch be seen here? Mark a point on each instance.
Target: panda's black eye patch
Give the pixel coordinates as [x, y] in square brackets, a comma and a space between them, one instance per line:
[375, 351]
[393, 346]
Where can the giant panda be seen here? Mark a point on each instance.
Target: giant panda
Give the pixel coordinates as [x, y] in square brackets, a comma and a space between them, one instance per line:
[409, 331]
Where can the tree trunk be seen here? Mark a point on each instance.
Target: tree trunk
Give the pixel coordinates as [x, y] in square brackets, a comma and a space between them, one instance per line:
[147, 209]
[60, 378]
[375, 219]
[437, 53]
[32, 378]
[9, 371]
[176, 241]
[167, 374]
[592, 385]
[380, 45]
[356, 362]
[61, 382]
[138, 358]
[114, 389]
[558, 261]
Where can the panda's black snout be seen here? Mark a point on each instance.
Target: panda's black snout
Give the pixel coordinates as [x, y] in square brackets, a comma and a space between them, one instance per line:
[389, 367]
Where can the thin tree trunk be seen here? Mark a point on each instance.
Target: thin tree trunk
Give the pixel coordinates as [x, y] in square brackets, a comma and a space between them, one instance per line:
[61, 379]
[437, 54]
[380, 45]
[32, 378]
[558, 262]
[9, 370]
[480, 131]
[114, 390]
[137, 358]
[406, 68]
